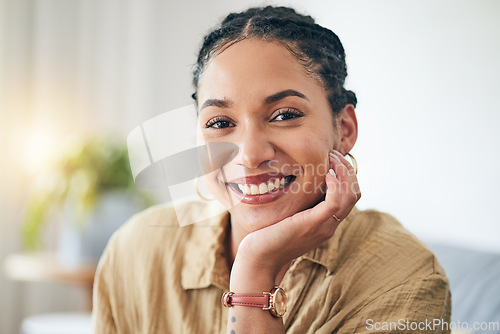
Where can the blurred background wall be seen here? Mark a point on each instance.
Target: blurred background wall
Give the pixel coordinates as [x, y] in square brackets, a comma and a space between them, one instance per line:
[426, 74]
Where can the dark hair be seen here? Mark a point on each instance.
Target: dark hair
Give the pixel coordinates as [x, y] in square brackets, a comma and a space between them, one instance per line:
[317, 48]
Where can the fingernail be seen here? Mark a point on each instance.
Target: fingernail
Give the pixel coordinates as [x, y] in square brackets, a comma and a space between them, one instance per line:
[332, 173]
[334, 156]
[338, 153]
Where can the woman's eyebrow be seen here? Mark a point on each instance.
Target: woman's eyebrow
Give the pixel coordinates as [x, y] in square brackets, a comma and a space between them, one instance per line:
[268, 100]
[215, 103]
[281, 95]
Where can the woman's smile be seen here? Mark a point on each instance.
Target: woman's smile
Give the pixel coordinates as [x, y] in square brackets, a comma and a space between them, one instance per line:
[260, 189]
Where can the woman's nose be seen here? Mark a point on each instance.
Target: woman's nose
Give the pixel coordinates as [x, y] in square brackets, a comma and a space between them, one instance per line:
[254, 148]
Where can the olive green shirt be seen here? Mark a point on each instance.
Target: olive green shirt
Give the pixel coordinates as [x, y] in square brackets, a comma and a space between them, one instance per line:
[371, 276]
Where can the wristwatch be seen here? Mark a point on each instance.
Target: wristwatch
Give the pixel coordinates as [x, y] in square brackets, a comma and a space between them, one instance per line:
[273, 301]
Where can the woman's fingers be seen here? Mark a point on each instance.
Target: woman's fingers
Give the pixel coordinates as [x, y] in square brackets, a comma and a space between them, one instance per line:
[342, 191]
[348, 183]
[332, 203]
[344, 161]
[351, 173]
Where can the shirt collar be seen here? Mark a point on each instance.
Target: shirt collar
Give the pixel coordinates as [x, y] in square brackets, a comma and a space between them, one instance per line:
[204, 259]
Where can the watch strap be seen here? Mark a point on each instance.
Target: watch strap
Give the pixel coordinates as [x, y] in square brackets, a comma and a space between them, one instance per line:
[243, 299]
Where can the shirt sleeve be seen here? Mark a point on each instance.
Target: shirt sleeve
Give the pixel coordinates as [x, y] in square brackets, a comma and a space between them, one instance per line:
[102, 313]
[417, 306]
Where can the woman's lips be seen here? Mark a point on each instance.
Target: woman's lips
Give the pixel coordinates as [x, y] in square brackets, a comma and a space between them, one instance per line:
[264, 192]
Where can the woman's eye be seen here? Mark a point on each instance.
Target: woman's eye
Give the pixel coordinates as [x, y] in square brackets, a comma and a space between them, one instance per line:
[219, 123]
[287, 114]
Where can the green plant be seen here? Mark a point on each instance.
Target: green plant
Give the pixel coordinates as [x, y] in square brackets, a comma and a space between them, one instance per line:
[76, 180]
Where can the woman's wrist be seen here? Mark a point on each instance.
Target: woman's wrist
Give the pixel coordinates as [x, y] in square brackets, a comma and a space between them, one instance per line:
[249, 277]
[253, 262]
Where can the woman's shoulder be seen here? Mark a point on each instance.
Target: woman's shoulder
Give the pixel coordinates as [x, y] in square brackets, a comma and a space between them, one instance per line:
[372, 268]
[387, 273]
[162, 225]
[378, 243]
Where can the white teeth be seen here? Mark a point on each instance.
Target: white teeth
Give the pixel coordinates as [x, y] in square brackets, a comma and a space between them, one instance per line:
[254, 190]
[263, 188]
[271, 186]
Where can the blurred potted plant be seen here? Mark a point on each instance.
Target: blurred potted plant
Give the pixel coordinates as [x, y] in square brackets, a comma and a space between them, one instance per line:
[91, 188]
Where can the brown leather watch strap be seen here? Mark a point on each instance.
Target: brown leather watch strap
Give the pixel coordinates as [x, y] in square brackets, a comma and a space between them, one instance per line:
[273, 301]
[250, 300]
[230, 299]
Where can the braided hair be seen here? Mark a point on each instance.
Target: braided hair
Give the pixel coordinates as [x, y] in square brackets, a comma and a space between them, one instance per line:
[317, 48]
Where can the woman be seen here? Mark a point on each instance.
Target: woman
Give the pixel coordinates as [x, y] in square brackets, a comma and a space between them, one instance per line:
[271, 81]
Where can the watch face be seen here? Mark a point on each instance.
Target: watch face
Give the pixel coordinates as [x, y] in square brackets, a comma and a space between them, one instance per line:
[279, 301]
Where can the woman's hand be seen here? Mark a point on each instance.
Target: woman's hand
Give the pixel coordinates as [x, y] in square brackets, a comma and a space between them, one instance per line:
[264, 253]
[273, 247]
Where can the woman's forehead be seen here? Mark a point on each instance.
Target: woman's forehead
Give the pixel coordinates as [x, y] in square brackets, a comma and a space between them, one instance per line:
[254, 67]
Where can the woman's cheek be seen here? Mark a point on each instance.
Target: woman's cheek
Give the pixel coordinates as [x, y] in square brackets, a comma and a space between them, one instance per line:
[315, 184]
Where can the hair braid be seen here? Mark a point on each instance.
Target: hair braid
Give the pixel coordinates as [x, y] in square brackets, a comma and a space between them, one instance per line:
[317, 48]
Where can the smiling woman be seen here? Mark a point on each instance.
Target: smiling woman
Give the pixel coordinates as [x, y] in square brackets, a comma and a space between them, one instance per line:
[275, 111]
[291, 253]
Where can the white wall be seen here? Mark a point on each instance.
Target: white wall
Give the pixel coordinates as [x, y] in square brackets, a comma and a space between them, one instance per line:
[427, 78]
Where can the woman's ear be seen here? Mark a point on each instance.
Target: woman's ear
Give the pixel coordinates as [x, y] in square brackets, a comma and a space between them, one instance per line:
[347, 125]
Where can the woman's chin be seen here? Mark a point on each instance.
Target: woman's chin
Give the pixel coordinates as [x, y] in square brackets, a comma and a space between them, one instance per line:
[257, 218]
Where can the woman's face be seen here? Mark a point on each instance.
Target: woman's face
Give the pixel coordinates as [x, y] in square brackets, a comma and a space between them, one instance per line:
[256, 95]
